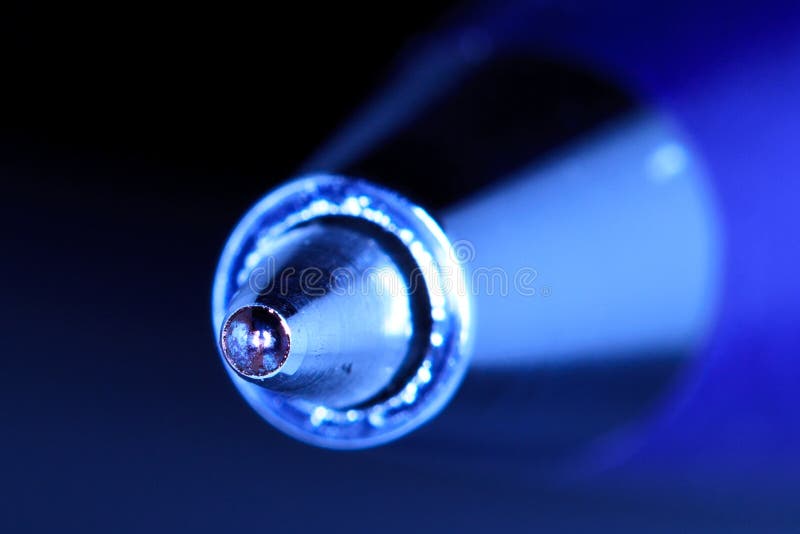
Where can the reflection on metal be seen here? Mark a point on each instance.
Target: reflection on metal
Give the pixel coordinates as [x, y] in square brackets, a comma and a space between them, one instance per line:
[358, 282]
[607, 251]
[347, 315]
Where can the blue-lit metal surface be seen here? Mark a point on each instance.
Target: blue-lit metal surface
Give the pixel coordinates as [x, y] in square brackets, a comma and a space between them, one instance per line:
[641, 288]
[445, 355]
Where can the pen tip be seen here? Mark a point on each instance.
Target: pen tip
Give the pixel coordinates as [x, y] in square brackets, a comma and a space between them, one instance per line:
[255, 341]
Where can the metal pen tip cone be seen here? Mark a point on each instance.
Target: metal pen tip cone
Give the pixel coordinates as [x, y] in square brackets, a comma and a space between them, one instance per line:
[357, 330]
[255, 341]
[363, 282]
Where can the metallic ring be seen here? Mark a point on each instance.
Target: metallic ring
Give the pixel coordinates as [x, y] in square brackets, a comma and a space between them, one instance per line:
[446, 356]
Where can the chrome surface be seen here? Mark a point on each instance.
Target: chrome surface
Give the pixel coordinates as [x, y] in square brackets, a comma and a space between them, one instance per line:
[344, 308]
[340, 312]
[375, 353]
[255, 341]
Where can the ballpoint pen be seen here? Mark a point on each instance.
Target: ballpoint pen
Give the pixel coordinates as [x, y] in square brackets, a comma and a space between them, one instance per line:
[628, 282]
[347, 314]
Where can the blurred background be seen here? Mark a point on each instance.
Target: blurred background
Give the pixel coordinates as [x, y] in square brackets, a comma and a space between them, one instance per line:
[133, 138]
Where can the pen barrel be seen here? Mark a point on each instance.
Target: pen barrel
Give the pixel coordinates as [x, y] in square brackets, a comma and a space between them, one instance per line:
[605, 251]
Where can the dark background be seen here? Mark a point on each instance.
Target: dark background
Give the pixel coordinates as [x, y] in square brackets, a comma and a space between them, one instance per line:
[210, 91]
[133, 137]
